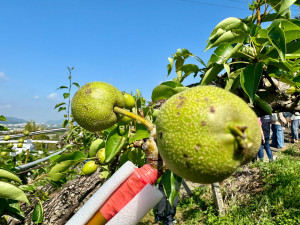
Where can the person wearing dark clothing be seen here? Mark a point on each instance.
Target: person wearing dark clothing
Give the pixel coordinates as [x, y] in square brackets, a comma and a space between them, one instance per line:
[163, 210]
[266, 124]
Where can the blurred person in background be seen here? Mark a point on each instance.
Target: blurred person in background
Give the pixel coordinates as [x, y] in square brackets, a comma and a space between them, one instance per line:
[295, 126]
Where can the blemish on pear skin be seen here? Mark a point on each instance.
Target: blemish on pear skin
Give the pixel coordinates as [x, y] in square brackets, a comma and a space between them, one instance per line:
[212, 109]
[197, 147]
[88, 91]
[161, 135]
[185, 155]
[86, 108]
[203, 123]
[187, 165]
[182, 100]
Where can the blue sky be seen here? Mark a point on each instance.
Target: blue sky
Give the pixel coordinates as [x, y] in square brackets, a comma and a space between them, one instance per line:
[123, 42]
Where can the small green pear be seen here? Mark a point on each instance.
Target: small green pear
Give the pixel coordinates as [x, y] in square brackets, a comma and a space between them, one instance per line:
[95, 146]
[20, 145]
[129, 101]
[6, 137]
[26, 132]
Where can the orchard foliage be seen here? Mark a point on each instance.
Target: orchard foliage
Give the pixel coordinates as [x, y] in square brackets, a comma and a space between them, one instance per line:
[256, 57]
[255, 54]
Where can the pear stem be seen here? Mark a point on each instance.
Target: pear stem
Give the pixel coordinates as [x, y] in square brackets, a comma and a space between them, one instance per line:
[150, 146]
[139, 119]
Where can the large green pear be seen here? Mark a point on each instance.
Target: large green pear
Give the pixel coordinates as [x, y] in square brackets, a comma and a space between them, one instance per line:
[92, 106]
[205, 133]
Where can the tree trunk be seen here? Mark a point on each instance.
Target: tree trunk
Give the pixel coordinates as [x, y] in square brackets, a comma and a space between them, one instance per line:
[65, 202]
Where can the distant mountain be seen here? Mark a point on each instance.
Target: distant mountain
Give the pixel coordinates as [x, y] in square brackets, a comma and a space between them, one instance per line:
[13, 120]
[58, 122]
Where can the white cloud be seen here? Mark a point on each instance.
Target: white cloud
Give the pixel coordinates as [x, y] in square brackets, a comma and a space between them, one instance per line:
[5, 106]
[3, 77]
[53, 96]
[36, 97]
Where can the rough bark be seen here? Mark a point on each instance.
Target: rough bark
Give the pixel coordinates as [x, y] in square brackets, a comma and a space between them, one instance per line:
[65, 202]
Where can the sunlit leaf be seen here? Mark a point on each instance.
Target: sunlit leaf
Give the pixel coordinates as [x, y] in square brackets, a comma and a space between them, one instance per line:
[115, 142]
[170, 181]
[66, 95]
[277, 38]
[10, 191]
[250, 78]
[38, 214]
[59, 104]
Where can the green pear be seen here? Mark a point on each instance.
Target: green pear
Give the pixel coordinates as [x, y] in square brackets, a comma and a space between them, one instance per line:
[205, 133]
[93, 106]
[129, 101]
[96, 146]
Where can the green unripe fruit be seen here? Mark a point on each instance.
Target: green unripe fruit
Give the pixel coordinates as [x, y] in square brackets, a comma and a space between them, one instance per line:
[10, 145]
[205, 133]
[129, 101]
[125, 120]
[6, 137]
[89, 168]
[3, 154]
[20, 145]
[95, 146]
[21, 140]
[26, 132]
[155, 113]
[101, 155]
[93, 106]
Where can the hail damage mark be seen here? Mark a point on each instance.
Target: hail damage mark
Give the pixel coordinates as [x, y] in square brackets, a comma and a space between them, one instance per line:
[203, 123]
[197, 147]
[181, 101]
[206, 99]
[86, 108]
[185, 155]
[187, 165]
[212, 109]
[88, 91]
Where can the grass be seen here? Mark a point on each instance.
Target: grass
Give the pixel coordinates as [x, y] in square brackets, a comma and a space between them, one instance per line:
[259, 193]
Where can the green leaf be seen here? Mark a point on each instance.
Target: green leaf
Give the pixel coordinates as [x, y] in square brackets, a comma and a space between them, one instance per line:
[64, 124]
[115, 142]
[170, 66]
[277, 38]
[3, 128]
[4, 174]
[220, 55]
[285, 4]
[166, 89]
[38, 214]
[293, 50]
[61, 109]
[59, 104]
[2, 118]
[66, 95]
[233, 80]
[56, 173]
[62, 87]
[211, 74]
[76, 84]
[290, 27]
[169, 184]
[250, 78]
[141, 133]
[12, 192]
[189, 68]
[77, 155]
[232, 36]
